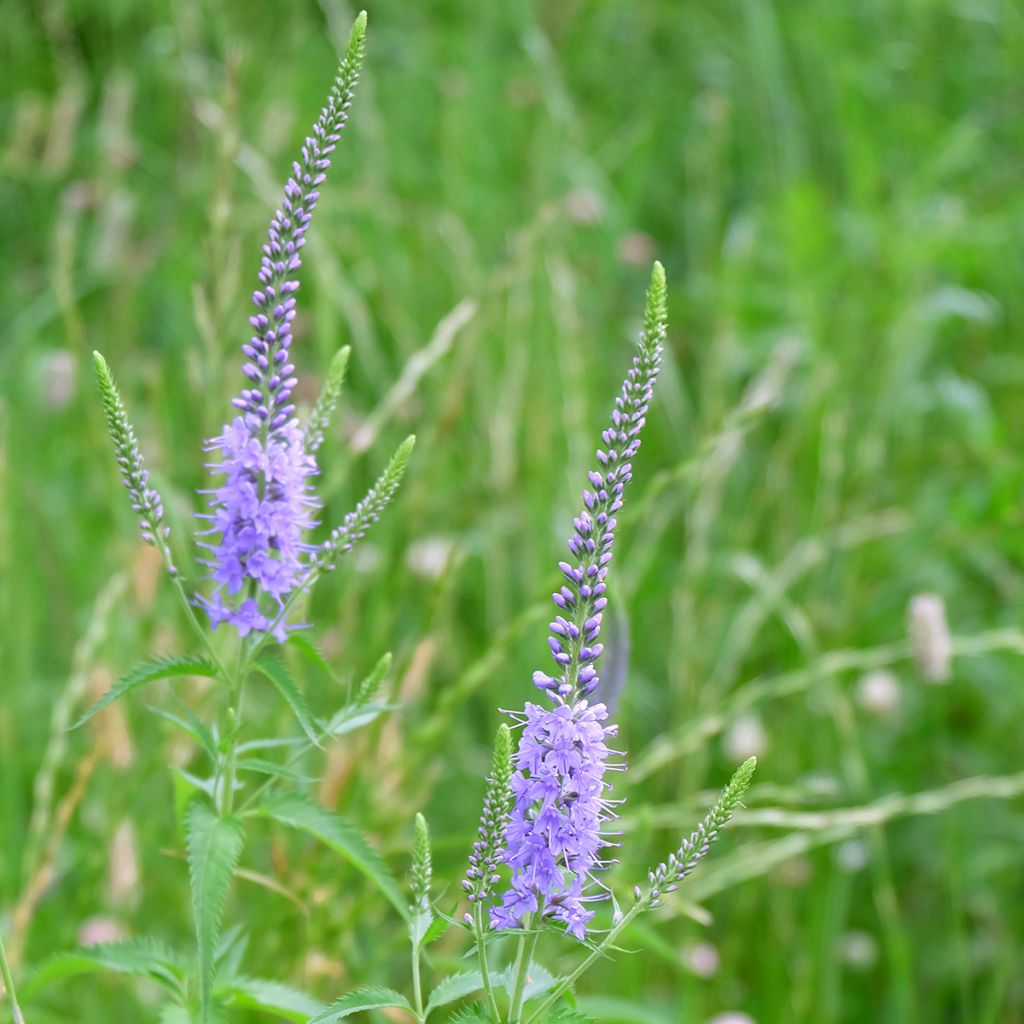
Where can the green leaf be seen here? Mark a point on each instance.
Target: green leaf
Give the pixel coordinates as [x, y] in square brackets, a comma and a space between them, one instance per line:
[274, 669]
[538, 980]
[175, 1015]
[277, 771]
[355, 716]
[310, 650]
[298, 811]
[137, 957]
[214, 847]
[369, 998]
[272, 996]
[475, 1014]
[456, 986]
[438, 927]
[569, 1015]
[150, 672]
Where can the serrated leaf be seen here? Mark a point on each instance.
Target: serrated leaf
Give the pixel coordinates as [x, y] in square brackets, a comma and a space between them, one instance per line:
[420, 921]
[150, 672]
[277, 771]
[538, 980]
[214, 846]
[137, 957]
[369, 998]
[276, 671]
[475, 1014]
[298, 811]
[311, 651]
[355, 716]
[455, 986]
[440, 924]
[192, 726]
[569, 1015]
[272, 996]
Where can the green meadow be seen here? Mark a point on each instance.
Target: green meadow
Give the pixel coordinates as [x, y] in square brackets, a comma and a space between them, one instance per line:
[835, 191]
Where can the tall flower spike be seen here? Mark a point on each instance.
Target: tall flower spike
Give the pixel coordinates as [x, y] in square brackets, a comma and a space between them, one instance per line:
[146, 503]
[485, 859]
[264, 505]
[555, 838]
[667, 875]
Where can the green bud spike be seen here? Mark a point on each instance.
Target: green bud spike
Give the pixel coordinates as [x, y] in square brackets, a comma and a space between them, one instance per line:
[485, 859]
[422, 869]
[146, 503]
[667, 875]
[320, 416]
[356, 524]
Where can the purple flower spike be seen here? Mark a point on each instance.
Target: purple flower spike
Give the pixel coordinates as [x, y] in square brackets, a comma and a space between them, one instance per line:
[555, 838]
[264, 505]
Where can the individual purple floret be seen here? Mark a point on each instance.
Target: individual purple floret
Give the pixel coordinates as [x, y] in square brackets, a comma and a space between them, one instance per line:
[264, 505]
[555, 838]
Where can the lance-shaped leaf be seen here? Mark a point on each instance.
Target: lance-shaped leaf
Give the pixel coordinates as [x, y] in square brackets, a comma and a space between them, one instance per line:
[455, 986]
[146, 503]
[214, 847]
[357, 523]
[141, 958]
[370, 998]
[298, 811]
[320, 415]
[150, 672]
[272, 996]
[276, 671]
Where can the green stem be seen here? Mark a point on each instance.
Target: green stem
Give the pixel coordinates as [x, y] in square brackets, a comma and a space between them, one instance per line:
[563, 986]
[237, 690]
[8, 978]
[527, 944]
[481, 949]
[417, 985]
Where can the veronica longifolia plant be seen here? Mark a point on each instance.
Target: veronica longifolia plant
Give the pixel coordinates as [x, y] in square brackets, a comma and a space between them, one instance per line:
[260, 560]
[540, 855]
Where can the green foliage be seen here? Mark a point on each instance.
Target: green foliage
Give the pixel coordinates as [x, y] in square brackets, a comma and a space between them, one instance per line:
[421, 916]
[455, 986]
[270, 996]
[214, 846]
[475, 1014]
[277, 672]
[369, 998]
[149, 672]
[140, 958]
[297, 811]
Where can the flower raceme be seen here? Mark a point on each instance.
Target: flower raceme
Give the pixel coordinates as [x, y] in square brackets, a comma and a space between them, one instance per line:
[555, 838]
[263, 505]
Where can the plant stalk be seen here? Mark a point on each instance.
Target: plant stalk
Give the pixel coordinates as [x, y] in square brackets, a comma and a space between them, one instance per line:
[481, 949]
[524, 955]
[8, 979]
[566, 983]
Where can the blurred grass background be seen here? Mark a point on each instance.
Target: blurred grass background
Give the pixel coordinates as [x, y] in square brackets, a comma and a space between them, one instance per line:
[835, 191]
